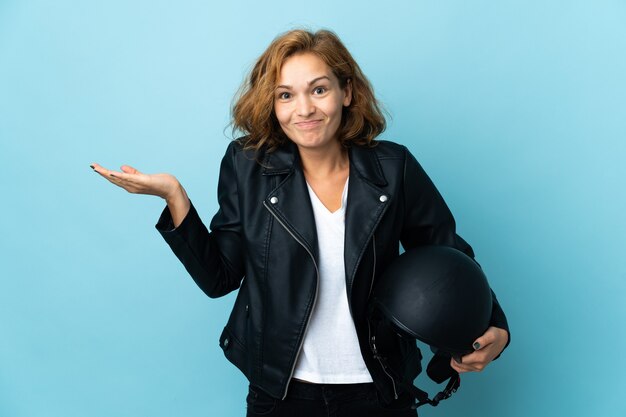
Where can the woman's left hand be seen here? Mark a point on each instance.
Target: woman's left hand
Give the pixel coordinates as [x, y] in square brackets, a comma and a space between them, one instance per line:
[487, 347]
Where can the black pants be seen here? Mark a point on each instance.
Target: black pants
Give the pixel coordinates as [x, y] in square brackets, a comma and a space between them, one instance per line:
[326, 400]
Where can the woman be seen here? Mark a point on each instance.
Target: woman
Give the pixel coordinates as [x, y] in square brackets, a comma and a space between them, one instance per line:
[311, 210]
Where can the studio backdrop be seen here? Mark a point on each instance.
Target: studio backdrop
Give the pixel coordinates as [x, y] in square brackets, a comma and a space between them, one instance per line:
[516, 109]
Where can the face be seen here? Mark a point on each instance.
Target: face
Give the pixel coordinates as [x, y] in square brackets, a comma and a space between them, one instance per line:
[308, 102]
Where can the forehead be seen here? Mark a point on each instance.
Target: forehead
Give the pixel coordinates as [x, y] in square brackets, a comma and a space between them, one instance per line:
[303, 67]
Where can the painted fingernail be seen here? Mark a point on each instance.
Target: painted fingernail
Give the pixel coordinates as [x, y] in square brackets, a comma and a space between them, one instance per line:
[476, 345]
[92, 167]
[112, 175]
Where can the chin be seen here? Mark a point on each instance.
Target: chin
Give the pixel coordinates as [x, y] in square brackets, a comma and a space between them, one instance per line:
[313, 144]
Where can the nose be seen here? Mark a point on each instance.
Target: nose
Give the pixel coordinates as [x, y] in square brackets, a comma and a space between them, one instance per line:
[304, 106]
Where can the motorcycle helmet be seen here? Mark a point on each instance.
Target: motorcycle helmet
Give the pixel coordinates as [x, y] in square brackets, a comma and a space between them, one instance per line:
[439, 296]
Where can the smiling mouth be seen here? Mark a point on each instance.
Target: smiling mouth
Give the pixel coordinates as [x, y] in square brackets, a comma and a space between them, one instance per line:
[309, 124]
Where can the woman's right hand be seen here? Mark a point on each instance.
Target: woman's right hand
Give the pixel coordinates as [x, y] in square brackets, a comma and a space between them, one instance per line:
[165, 186]
[133, 181]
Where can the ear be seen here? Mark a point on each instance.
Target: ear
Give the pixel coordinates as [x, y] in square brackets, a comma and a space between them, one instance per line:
[348, 93]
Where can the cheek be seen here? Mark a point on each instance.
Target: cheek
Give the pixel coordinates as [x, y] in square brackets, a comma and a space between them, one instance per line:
[334, 110]
[282, 114]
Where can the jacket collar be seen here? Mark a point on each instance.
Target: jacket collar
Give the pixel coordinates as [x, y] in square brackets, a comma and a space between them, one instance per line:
[363, 159]
[281, 160]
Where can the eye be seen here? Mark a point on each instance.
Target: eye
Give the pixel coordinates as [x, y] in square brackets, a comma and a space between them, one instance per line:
[319, 90]
[284, 95]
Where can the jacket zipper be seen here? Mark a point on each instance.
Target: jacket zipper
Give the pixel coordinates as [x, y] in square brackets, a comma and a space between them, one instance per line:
[308, 320]
[377, 356]
[374, 268]
[369, 329]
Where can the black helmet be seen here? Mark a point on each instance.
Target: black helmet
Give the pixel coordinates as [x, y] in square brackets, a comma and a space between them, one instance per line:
[440, 296]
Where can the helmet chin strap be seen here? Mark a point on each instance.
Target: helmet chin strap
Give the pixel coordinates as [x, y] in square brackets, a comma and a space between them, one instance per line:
[422, 397]
[434, 371]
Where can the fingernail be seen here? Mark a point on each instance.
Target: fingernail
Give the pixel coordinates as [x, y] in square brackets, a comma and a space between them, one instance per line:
[92, 167]
[458, 359]
[476, 345]
[112, 175]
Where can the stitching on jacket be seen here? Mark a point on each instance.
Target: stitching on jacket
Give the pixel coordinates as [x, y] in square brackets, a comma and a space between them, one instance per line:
[381, 211]
[268, 232]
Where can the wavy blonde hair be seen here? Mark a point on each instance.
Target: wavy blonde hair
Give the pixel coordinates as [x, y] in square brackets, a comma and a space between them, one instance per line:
[253, 108]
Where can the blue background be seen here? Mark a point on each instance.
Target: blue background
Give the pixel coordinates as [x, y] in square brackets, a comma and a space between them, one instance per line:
[517, 110]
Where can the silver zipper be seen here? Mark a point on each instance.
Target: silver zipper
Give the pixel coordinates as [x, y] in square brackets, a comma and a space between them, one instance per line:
[369, 329]
[317, 274]
[373, 269]
[373, 342]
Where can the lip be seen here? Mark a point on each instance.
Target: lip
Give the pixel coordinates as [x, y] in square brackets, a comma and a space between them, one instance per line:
[308, 124]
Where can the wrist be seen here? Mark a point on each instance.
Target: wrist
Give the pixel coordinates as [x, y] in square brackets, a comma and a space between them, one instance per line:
[175, 194]
[178, 204]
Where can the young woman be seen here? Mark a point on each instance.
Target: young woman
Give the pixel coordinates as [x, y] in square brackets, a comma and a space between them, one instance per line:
[312, 208]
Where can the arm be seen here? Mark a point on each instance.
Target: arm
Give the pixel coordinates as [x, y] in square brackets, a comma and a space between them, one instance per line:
[213, 259]
[428, 221]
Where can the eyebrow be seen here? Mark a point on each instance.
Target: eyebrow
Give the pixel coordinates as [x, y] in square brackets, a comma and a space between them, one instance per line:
[313, 81]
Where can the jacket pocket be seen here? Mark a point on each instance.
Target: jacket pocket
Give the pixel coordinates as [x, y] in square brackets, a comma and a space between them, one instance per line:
[235, 351]
[235, 337]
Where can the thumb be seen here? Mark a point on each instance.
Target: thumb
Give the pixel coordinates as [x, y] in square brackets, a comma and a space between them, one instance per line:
[129, 170]
[487, 338]
[480, 342]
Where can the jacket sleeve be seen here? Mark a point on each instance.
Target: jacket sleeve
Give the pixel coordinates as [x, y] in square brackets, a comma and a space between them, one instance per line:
[428, 221]
[213, 259]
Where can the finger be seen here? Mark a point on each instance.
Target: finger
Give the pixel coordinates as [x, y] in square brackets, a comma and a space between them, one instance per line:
[96, 167]
[455, 365]
[460, 367]
[486, 348]
[111, 176]
[486, 339]
[120, 176]
[467, 366]
[109, 173]
[477, 358]
[136, 182]
[101, 170]
[129, 170]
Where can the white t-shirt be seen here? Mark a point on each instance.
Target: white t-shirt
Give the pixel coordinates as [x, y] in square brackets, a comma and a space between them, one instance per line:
[330, 352]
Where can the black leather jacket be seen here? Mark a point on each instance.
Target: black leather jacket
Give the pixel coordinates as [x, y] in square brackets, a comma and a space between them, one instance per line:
[263, 241]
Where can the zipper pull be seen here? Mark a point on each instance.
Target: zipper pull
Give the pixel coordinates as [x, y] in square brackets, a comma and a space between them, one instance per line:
[374, 349]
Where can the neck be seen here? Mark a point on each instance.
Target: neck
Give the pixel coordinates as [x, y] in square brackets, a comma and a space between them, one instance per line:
[324, 162]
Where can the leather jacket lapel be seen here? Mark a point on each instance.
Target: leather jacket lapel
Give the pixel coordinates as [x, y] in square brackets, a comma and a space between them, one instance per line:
[289, 201]
[281, 160]
[367, 202]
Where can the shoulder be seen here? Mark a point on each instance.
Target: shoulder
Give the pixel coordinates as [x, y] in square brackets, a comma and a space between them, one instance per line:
[396, 160]
[236, 147]
[237, 162]
[239, 154]
[381, 162]
[263, 161]
[386, 149]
